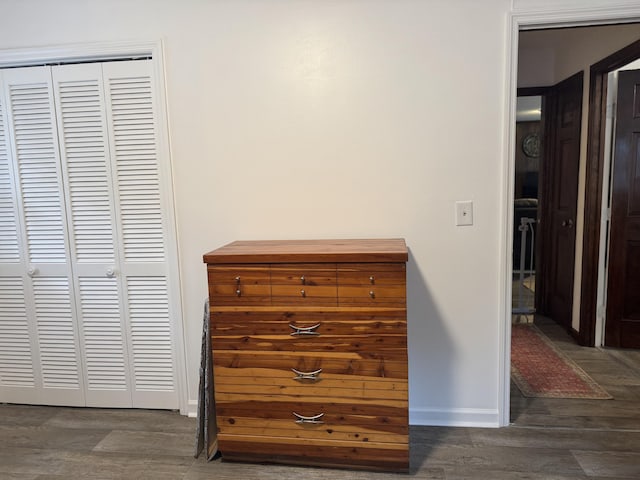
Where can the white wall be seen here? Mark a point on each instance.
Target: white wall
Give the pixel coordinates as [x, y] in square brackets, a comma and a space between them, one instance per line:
[308, 119]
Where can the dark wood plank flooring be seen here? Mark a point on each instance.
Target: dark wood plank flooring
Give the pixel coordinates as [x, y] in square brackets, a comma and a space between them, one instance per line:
[550, 439]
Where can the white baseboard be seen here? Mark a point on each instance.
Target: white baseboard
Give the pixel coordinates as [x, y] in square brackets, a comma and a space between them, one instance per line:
[192, 409]
[454, 417]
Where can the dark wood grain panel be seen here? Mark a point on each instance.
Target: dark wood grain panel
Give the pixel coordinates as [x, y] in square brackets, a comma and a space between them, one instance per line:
[239, 274]
[304, 295]
[372, 274]
[303, 274]
[356, 412]
[331, 321]
[335, 363]
[327, 430]
[389, 347]
[321, 388]
[384, 296]
[363, 455]
[239, 294]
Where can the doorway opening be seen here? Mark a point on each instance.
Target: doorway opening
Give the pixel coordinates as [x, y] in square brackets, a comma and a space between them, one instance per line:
[616, 370]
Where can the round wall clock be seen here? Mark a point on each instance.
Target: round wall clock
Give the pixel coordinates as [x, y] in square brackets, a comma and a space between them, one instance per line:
[531, 145]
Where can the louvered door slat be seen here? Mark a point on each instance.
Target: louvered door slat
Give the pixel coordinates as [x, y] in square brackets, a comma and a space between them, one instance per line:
[81, 121]
[134, 151]
[102, 334]
[56, 333]
[9, 249]
[16, 361]
[150, 333]
[38, 167]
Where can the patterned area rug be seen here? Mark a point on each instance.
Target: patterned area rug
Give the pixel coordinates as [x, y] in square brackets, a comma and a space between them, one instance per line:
[539, 369]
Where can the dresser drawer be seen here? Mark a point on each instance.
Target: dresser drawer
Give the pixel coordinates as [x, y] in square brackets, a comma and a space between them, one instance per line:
[304, 284]
[371, 274]
[311, 424]
[382, 296]
[385, 457]
[242, 275]
[316, 322]
[372, 366]
[316, 432]
[312, 295]
[316, 384]
[239, 285]
[303, 274]
[388, 347]
[372, 284]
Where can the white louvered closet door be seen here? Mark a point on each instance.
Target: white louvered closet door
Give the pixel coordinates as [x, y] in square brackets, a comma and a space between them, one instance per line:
[82, 130]
[110, 203]
[142, 228]
[48, 368]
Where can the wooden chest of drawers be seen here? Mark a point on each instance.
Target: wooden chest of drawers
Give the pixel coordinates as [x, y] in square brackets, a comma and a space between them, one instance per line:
[310, 352]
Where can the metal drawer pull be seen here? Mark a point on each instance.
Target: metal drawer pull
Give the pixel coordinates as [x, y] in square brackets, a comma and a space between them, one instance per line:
[303, 293]
[304, 330]
[306, 375]
[315, 419]
[372, 279]
[238, 279]
[238, 292]
[372, 294]
[302, 280]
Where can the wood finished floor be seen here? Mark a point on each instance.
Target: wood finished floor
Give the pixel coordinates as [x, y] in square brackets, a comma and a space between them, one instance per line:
[550, 439]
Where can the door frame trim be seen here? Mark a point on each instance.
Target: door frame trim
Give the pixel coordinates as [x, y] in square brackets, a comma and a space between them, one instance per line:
[154, 49]
[523, 19]
[595, 177]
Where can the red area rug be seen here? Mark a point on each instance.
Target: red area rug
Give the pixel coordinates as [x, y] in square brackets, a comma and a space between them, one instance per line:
[539, 369]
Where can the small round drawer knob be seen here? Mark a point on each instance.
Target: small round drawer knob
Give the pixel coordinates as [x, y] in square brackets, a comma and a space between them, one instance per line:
[372, 279]
[303, 293]
[302, 280]
[238, 292]
[372, 294]
[238, 279]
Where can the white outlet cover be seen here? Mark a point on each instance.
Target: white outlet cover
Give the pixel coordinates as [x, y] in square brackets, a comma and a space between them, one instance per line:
[464, 213]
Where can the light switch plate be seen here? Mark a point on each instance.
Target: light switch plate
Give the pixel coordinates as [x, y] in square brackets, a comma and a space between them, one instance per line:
[464, 213]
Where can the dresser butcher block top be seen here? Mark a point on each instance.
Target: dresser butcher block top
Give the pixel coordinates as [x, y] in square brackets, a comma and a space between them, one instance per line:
[275, 251]
[309, 341]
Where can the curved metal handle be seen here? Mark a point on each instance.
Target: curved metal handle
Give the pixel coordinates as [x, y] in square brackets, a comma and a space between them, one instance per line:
[307, 375]
[315, 419]
[304, 330]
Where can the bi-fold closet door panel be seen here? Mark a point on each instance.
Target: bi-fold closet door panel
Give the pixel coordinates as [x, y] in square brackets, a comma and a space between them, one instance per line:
[41, 350]
[94, 256]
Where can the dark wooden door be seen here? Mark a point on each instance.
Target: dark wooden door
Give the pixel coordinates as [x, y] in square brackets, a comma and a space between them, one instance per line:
[623, 290]
[559, 197]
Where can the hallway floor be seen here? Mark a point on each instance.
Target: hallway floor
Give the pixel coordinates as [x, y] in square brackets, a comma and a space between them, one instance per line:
[550, 439]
